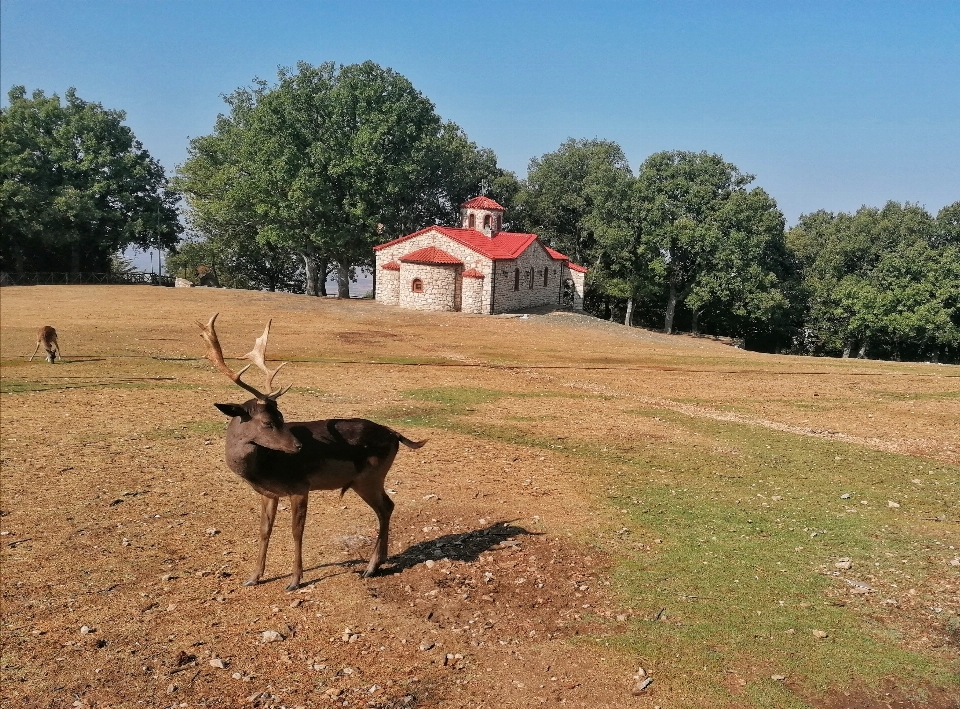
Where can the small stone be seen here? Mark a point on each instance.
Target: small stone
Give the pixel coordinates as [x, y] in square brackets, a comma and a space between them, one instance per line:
[640, 686]
[271, 636]
[168, 577]
[955, 562]
[893, 505]
[237, 675]
[777, 498]
[86, 630]
[777, 678]
[296, 603]
[430, 563]
[427, 645]
[212, 531]
[844, 564]
[333, 692]
[846, 496]
[218, 663]
[820, 634]
[172, 688]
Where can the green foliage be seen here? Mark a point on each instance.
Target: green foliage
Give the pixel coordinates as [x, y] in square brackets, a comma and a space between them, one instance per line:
[237, 263]
[565, 190]
[329, 162]
[77, 186]
[881, 282]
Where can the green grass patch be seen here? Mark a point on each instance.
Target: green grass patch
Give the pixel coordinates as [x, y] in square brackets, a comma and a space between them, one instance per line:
[747, 547]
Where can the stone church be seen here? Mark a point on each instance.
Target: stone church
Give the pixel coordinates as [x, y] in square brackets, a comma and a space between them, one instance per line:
[476, 268]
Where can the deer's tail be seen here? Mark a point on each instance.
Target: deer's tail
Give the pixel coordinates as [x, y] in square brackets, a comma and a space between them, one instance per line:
[408, 443]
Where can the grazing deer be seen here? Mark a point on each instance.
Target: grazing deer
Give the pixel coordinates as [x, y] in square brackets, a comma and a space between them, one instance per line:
[281, 459]
[47, 337]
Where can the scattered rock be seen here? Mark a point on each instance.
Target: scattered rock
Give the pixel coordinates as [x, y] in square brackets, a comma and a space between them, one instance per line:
[218, 663]
[892, 504]
[641, 686]
[846, 496]
[212, 531]
[168, 577]
[430, 563]
[777, 678]
[820, 634]
[271, 636]
[86, 630]
[845, 563]
[427, 645]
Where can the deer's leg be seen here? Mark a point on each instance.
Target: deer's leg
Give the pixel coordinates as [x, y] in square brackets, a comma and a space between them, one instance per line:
[298, 510]
[268, 511]
[372, 492]
[35, 351]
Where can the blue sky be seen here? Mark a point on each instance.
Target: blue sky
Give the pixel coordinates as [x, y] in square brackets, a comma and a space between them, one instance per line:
[830, 104]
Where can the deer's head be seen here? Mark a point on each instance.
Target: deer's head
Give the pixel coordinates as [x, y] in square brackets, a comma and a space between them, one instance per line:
[257, 421]
[261, 423]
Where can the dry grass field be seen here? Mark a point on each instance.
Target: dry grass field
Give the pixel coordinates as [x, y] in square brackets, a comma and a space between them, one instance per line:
[751, 530]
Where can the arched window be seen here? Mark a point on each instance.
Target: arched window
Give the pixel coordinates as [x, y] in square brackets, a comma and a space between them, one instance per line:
[472, 221]
[486, 221]
[417, 286]
[546, 272]
[516, 279]
[496, 223]
[531, 279]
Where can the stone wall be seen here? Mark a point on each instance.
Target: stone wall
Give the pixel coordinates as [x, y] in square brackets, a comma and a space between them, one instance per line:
[506, 299]
[388, 286]
[579, 285]
[441, 287]
[472, 295]
[470, 258]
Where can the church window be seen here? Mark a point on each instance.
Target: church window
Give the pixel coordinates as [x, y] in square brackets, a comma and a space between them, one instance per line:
[472, 221]
[486, 221]
[546, 272]
[531, 279]
[516, 279]
[417, 286]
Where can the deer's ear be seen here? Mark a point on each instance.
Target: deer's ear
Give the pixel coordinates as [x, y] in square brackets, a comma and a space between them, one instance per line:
[233, 410]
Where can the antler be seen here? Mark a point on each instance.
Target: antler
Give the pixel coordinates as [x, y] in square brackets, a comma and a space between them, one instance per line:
[215, 355]
[257, 354]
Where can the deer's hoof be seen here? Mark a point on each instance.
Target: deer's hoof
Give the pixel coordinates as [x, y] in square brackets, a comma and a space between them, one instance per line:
[251, 582]
[293, 586]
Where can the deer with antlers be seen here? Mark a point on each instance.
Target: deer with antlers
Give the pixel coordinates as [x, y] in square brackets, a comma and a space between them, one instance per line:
[280, 459]
[47, 337]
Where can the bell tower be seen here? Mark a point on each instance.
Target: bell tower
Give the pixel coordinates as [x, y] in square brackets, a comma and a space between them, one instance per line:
[483, 215]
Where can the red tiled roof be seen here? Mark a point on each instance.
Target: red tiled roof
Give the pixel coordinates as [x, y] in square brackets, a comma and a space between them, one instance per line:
[392, 266]
[481, 203]
[431, 255]
[560, 257]
[504, 245]
[472, 273]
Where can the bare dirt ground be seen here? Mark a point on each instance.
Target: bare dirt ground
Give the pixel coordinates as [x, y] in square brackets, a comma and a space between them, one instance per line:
[125, 540]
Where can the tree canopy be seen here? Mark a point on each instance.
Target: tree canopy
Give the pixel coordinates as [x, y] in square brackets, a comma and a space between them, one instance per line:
[331, 161]
[881, 282]
[76, 186]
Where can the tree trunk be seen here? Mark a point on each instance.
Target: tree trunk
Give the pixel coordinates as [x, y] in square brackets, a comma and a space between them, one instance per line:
[374, 281]
[343, 281]
[695, 324]
[74, 260]
[323, 268]
[862, 354]
[310, 272]
[628, 318]
[671, 309]
[847, 349]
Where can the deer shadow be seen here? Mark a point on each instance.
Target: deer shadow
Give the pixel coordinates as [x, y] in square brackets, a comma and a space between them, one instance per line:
[465, 546]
